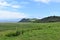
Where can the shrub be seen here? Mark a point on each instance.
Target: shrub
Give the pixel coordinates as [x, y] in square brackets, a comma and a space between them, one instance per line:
[17, 33]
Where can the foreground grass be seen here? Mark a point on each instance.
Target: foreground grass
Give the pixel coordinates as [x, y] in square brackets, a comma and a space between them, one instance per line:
[30, 31]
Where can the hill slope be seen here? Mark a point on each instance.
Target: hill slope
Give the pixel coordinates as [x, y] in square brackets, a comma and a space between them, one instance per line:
[46, 19]
[51, 19]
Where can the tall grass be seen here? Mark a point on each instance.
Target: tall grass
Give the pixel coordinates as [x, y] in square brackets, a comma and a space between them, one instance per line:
[30, 31]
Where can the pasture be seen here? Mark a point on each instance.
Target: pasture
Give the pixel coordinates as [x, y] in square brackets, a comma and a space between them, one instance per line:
[30, 31]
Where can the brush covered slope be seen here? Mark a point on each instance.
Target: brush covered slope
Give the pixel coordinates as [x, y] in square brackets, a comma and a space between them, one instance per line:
[51, 19]
[43, 20]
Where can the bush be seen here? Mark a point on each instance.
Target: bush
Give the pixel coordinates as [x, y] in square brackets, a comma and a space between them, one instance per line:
[17, 33]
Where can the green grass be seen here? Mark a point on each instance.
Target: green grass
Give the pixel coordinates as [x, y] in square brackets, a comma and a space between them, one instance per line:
[30, 31]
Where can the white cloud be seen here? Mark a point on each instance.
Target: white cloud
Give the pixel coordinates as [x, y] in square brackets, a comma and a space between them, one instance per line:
[11, 15]
[4, 3]
[55, 1]
[47, 1]
[44, 1]
[16, 6]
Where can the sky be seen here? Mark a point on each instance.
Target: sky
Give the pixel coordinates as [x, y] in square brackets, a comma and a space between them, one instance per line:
[17, 9]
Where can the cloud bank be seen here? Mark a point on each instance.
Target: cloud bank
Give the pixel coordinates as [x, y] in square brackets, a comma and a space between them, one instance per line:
[5, 14]
[11, 15]
[47, 1]
[5, 3]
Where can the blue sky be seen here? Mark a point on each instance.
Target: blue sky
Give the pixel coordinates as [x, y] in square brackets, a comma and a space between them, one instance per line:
[16, 9]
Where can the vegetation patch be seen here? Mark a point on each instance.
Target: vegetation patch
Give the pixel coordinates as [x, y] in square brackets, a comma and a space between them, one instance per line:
[13, 34]
[43, 20]
[30, 31]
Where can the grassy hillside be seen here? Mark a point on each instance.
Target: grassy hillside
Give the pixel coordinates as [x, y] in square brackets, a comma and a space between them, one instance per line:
[30, 31]
[51, 19]
[43, 20]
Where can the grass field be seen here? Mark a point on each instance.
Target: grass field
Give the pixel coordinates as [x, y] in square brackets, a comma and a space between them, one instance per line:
[30, 31]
